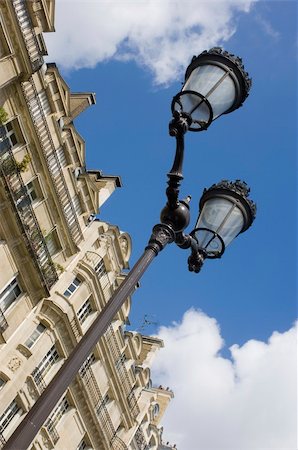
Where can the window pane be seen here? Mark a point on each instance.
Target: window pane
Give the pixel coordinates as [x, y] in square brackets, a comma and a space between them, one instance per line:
[2, 383]
[84, 311]
[35, 335]
[11, 411]
[72, 287]
[9, 295]
[48, 361]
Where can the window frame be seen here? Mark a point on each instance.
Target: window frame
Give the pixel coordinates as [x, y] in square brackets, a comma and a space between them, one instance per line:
[35, 335]
[47, 362]
[85, 311]
[13, 412]
[13, 284]
[76, 284]
[7, 45]
[53, 242]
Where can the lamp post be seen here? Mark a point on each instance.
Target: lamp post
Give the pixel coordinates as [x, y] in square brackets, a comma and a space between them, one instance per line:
[215, 84]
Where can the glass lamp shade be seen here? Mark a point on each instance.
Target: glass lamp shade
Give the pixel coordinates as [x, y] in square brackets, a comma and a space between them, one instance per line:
[225, 211]
[215, 84]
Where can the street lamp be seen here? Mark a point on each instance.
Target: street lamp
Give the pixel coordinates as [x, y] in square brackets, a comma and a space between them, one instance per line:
[215, 84]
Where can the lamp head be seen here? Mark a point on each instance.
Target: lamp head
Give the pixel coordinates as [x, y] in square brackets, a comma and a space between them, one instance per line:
[225, 212]
[215, 83]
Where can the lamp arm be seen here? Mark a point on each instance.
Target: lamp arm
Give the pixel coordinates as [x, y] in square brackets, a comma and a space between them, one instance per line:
[177, 128]
[197, 256]
[175, 175]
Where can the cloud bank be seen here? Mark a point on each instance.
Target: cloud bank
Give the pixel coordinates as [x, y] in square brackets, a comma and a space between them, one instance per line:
[248, 402]
[161, 35]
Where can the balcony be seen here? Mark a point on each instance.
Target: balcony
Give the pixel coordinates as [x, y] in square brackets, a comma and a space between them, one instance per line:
[39, 108]
[140, 440]
[26, 219]
[28, 33]
[52, 431]
[88, 382]
[121, 370]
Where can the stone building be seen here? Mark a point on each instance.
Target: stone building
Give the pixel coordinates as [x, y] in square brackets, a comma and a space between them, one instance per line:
[59, 263]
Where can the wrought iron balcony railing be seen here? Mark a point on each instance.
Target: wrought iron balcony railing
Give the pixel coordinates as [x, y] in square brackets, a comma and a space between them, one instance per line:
[51, 429]
[37, 108]
[121, 370]
[89, 383]
[28, 33]
[140, 440]
[110, 339]
[26, 218]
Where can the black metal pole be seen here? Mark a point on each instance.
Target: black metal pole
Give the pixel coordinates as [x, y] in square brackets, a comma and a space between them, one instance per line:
[33, 421]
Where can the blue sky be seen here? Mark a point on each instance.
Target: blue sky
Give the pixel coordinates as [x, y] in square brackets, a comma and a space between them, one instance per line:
[251, 291]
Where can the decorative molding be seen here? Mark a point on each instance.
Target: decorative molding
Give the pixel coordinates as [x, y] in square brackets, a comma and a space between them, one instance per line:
[14, 363]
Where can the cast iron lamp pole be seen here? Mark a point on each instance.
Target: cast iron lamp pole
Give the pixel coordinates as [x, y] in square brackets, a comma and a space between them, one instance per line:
[215, 84]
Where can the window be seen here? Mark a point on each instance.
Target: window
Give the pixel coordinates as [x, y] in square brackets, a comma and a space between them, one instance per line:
[9, 295]
[82, 445]
[84, 311]
[87, 363]
[11, 412]
[103, 277]
[119, 363]
[46, 363]
[56, 415]
[13, 133]
[4, 47]
[35, 335]
[155, 410]
[103, 403]
[33, 190]
[72, 287]
[53, 243]
[100, 268]
[2, 383]
[10, 134]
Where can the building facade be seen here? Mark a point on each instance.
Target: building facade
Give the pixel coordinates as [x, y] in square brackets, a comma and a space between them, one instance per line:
[59, 263]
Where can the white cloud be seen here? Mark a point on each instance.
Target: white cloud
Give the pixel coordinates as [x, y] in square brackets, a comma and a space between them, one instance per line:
[161, 35]
[247, 403]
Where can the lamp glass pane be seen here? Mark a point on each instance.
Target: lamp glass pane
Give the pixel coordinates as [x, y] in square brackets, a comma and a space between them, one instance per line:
[233, 226]
[204, 78]
[222, 98]
[223, 217]
[208, 241]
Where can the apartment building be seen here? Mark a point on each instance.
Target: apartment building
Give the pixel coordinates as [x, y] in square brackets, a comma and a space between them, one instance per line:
[59, 263]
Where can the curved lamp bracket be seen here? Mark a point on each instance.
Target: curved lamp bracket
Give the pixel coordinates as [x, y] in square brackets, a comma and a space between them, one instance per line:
[214, 241]
[196, 125]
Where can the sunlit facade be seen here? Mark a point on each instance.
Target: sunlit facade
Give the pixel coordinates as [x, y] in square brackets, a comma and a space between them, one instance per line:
[59, 263]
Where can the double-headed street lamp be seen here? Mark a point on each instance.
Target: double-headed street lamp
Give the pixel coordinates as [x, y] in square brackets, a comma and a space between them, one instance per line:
[215, 84]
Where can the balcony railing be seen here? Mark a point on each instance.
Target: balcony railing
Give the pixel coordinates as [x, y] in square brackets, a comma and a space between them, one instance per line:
[119, 363]
[88, 381]
[27, 221]
[92, 259]
[28, 33]
[140, 440]
[2, 440]
[51, 429]
[39, 380]
[38, 106]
